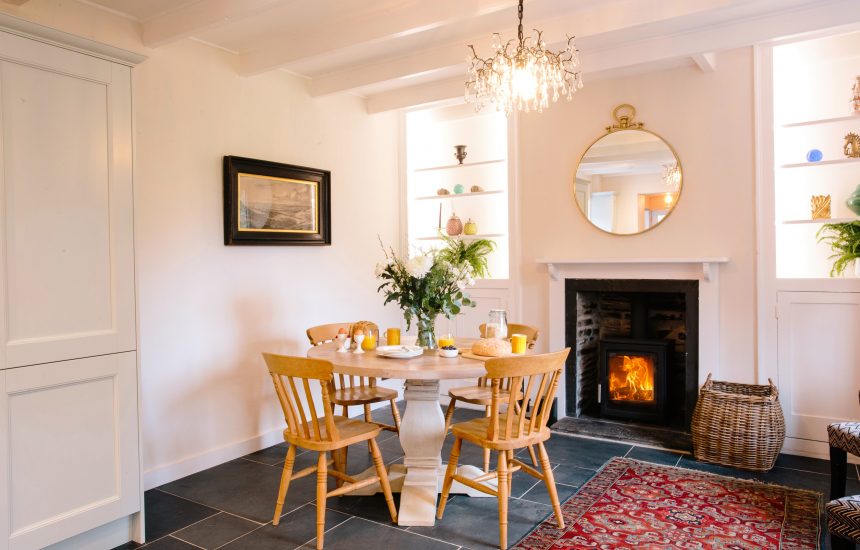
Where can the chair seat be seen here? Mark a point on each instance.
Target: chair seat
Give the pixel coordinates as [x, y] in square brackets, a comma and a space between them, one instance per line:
[349, 431]
[361, 395]
[476, 432]
[845, 436]
[843, 517]
[478, 395]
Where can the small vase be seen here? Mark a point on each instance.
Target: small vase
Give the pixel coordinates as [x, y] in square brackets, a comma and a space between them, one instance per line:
[454, 226]
[427, 332]
[853, 201]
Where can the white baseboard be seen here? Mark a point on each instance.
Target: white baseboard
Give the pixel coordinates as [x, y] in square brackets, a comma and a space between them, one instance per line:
[812, 449]
[108, 535]
[191, 465]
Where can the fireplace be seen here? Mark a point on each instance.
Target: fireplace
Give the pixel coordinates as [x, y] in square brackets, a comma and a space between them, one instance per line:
[636, 351]
[633, 379]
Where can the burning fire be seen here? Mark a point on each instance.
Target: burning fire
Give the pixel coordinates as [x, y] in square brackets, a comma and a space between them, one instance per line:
[631, 378]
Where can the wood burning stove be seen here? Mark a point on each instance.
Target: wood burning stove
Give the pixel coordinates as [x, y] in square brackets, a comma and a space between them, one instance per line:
[633, 379]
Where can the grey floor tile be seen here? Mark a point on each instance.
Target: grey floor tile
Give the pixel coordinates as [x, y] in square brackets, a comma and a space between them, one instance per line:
[295, 529]
[473, 522]
[360, 533]
[167, 513]
[693, 464]
[539, 494]
[168, 543]
[243, 488]
[656, 456]
[572, 475]
[130, 545]
[272, 455]
[803, 463]
[216, 530]
[585, 453]
[371, 507]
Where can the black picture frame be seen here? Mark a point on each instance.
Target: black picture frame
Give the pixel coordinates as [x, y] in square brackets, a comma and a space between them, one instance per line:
[269, 203]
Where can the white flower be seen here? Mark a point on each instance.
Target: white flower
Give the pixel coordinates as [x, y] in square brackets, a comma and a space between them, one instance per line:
[380, 267]
[419, 266]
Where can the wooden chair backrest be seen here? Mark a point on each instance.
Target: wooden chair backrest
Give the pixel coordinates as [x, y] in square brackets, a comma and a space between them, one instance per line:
[515, 328]
[321, 334]
[292, 376]
[538, 375]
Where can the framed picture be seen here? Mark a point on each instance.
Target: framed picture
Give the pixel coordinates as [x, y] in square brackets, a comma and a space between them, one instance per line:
[268, 203]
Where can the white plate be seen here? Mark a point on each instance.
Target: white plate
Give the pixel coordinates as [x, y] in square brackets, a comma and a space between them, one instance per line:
[399, 352]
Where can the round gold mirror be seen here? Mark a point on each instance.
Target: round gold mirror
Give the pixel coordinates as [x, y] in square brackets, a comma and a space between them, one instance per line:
[629, 180]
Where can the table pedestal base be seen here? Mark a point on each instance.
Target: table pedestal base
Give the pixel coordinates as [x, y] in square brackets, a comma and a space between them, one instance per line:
[419, 478]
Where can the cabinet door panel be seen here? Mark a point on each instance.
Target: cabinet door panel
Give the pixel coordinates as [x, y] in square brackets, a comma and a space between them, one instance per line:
[72, 447]
[817, 354]
[67, 206]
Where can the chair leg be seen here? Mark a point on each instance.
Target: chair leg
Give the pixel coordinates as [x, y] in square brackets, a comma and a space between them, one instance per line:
[383, 478]
[368, 417]
[449, 477]
[337, 456]
[395, 414]
[838, 543]
[486, 460]
[549, 479]
[503, 499]
[321, 493]
[838, 472]
[285, 482]
[532, 456]
[449, 414]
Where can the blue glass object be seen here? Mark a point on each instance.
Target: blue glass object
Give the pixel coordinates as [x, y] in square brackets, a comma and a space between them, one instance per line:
[459, 189]
[814, 155]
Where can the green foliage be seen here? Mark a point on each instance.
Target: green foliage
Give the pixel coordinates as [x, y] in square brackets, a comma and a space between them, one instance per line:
[430, 284]
[844, 240]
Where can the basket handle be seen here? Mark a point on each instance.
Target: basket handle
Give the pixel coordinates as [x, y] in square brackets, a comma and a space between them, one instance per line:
[774, 388]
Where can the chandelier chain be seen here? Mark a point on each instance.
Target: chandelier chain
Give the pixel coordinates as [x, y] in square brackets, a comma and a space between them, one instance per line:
[520, 27]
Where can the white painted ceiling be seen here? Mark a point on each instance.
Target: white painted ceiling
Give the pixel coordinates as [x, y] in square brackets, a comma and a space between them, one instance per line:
[401, 53]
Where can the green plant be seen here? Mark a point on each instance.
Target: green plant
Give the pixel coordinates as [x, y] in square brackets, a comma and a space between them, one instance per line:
[844, 240]
[432, 283]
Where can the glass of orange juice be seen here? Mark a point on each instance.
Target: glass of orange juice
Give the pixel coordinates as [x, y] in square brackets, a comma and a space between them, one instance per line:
[392, 337]
[369, 342]
[445, 340]
[518, 343]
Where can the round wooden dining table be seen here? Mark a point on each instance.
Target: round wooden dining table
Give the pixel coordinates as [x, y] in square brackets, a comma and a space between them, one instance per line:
[422, 430]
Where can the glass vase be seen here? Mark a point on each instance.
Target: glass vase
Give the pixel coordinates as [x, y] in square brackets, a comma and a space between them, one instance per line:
[427, 332]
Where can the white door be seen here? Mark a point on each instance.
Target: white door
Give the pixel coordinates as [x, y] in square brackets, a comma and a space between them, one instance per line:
[819, 360]
[66, 195]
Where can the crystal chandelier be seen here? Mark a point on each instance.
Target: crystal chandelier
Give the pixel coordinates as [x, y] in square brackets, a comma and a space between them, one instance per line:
[671, 175]
[525, 79]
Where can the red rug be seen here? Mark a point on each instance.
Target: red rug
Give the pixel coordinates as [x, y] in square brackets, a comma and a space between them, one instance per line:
[631, 504]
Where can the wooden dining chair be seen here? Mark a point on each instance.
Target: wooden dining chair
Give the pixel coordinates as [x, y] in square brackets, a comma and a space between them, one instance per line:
[350, 391]
[479, 394]
[326, 434]
[515, 422]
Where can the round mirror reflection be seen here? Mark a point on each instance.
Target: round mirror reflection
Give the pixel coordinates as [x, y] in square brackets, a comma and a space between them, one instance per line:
[628, 181]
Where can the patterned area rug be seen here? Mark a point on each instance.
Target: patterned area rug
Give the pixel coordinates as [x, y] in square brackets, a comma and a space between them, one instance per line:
[631, 504]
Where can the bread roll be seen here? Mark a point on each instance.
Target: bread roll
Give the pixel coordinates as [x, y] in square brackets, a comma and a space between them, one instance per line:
[491, 347]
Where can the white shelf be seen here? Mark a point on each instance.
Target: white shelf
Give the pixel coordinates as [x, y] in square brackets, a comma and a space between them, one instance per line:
[464, 165]
[458, 195]
[824, 220]
[463, 237]
[822, 121]
[821, 163]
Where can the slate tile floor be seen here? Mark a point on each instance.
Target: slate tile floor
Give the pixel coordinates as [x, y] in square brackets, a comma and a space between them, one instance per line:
[230, 506]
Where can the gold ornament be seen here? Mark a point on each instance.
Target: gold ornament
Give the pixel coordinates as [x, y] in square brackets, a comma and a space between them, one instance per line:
[820, 207]
[852, 146]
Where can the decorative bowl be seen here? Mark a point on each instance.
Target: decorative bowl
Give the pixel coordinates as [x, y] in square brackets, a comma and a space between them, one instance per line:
[448, 352]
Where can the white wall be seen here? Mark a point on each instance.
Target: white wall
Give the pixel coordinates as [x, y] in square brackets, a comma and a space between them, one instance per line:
[206, 311]
[708, 119]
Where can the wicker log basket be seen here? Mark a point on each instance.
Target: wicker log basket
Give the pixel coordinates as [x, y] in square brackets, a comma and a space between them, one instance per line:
[738, 425]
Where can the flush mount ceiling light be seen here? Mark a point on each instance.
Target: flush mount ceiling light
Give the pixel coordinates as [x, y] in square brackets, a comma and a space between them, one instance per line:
[525, 79]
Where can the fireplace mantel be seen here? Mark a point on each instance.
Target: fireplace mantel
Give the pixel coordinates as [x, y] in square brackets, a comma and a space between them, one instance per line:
[706, 263]
[704, 269]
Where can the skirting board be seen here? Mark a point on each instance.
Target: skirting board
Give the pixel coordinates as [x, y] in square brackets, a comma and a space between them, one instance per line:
[812, 449]
[191, 465]
[109, 535]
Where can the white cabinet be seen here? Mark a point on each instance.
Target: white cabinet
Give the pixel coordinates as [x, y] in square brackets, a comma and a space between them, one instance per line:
[818, 365]
[69, 450]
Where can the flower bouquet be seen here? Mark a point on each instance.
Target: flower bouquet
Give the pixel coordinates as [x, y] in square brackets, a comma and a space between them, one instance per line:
[431, 283]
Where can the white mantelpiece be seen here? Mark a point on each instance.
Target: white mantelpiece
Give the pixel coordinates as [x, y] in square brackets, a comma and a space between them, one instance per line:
[704, 270]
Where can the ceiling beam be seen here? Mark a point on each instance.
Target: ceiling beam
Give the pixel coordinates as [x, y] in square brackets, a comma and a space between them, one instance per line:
[193, 18]
[707, 62]
[404, 19]
[656, 50]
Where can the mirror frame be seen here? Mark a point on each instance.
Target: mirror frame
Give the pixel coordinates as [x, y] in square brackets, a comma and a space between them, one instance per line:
[623, 115]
